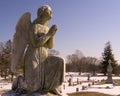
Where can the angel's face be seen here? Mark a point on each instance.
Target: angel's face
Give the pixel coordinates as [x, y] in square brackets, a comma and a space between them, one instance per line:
[45, 12]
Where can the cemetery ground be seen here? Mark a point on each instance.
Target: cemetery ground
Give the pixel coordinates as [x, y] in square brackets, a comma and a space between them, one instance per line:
[80, 85]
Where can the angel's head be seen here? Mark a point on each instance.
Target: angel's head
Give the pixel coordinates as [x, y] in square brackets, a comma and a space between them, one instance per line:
[45, 12]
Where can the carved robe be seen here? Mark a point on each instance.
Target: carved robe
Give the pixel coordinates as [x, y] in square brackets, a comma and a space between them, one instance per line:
[42, 72]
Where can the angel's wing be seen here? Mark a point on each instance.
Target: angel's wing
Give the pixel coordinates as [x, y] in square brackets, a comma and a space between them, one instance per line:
[20, 39]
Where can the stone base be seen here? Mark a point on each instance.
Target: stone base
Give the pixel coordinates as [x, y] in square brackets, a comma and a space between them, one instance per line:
[13, 93]
[109, 81]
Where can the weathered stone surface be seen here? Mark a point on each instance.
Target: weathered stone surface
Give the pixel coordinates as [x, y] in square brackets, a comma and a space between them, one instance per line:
[13, 93]
[43, 74]
[109, 77]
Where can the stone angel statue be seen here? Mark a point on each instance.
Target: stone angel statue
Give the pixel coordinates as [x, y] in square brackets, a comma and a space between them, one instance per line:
[43, 74]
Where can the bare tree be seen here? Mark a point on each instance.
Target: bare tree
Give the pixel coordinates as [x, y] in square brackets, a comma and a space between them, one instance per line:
[73, 61]
[79, 63]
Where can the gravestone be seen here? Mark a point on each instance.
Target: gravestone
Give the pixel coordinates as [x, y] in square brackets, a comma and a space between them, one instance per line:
[93, 82]
[78, 82]
[89, 85]
[77, 89]
[70, 82]
[88, 77]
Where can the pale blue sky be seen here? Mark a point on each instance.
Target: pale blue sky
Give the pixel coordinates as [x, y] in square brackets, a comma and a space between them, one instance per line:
[82, 24]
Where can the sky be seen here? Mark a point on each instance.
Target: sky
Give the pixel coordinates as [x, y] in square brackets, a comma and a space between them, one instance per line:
[85, 25]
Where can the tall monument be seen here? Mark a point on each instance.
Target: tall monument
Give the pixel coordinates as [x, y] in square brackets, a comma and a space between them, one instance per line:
[43, 74]
[109, 70]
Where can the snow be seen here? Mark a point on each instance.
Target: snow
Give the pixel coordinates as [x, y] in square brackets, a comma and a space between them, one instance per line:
[5, 86]
[104, 88]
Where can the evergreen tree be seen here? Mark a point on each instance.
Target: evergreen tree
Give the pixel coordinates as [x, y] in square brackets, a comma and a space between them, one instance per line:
[106, 56]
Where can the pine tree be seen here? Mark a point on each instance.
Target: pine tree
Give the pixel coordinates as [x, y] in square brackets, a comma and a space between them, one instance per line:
[106, 56]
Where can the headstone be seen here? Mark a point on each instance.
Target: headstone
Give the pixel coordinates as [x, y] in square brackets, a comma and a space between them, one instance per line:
[70, 82]
[78, 82]
[83, 87]
[89, 85]
[88, 77]
[93, 82]
[77, 89]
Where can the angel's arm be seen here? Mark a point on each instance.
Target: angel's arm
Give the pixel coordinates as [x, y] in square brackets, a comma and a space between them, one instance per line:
[40, 41]
[50, 43]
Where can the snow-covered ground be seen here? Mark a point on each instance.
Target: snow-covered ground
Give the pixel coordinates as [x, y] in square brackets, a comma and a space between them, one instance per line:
[104, 88]
[5, 86]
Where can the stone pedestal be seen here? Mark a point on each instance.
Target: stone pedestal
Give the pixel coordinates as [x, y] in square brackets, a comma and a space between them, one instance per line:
[109, 77]
[13, 93]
